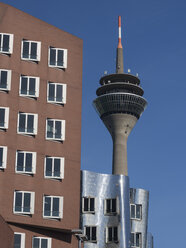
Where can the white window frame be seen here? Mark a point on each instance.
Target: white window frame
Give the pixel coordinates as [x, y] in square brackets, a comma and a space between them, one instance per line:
[60, 207]
[38, 50]
[40, 238]
[91, 240]
[11, 39]
[107, 234]
[34, 156]
[37, 83]
[135, 206]
[34, 127]
[62, 165]
[4, 157]
[6, 117]
[22, 239]
[140, 240]
[32, 202]
[64, 57]
[62, 130]
[83, 205]
[105, 206]
[9, 76]
[64, 86]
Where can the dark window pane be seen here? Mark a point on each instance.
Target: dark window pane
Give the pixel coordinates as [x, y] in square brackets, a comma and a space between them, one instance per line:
[57, 166]
[26, 206]
[25, 49]
[30, 124]
[137, 239]
[2, 117]
[114, 205]
[20, 161]
[22, 123]
[3, 79]
[0, 41]
[32, 85]
[132, 239]
[18, 202]
[17, 240]
[36, 243]
[51, 92]
[59, 92]
[132, 209]
[28, 165]
[110, 234]
[138, 211]
[48, 171]
[88, 232]
[85, 204]
[91, 204]
[55, 210]
[24, 82]
[60, 58]
[33, 54]
[1, 157]
[94, 233]
[108, 205]
[52, 56]
[50, 129]
[115, 234]
[44, 243]
[47, 207]
[6, 43]
[58, 129]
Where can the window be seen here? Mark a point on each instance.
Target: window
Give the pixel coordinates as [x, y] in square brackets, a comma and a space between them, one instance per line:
[3, 157]
[56, 93]
[19, 240]
[136, 211]
[135, 239]
[24, 202]
[53, 207]
[88, 205]
[112, 234]
[4, 117]
[55, 129]
[31, 50]
[6, 43]
[54, 167]
[91, 233]
[40, 242]
[25, 162]
[29, 86]
[110, 206]
[27, 123]
[5, 79]
[57, 57]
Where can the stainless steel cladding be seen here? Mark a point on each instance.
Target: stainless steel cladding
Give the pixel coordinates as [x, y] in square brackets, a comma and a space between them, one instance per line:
[139, 200]
[150, 243]
[104, 189]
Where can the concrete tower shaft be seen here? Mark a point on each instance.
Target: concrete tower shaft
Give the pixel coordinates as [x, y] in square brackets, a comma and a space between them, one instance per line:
[119, 104]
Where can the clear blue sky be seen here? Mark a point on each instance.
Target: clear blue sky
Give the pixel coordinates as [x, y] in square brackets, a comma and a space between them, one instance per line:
[154, 41]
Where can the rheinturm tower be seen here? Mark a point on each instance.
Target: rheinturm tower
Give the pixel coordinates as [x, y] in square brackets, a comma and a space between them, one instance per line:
[120, 104]
[113, 215]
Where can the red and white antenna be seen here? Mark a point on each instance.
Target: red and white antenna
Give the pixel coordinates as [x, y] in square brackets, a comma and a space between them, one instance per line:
[119, 55]
[119, 29]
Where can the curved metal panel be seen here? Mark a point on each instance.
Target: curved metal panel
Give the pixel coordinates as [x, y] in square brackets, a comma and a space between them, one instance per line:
[150, 243]
[141, 197]
[103, 186]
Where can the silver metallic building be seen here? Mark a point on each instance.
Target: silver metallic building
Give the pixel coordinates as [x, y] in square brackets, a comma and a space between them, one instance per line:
[112, 214]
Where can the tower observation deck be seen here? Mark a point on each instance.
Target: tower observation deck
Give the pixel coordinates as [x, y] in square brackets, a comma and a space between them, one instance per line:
[119, 104]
